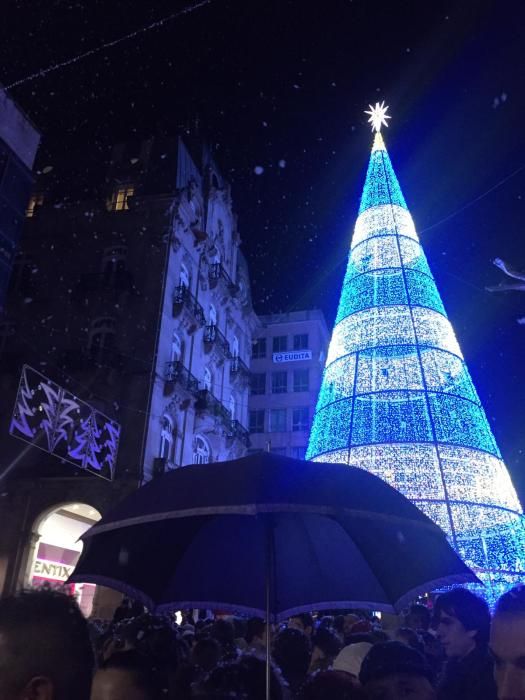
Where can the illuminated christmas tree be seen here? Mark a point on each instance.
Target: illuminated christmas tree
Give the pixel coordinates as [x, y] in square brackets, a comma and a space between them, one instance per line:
[397, 398]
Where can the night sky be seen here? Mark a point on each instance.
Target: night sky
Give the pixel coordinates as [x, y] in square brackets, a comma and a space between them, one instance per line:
[279, 88]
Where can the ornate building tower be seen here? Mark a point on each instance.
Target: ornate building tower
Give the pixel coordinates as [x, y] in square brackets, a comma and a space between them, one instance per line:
[397, 398]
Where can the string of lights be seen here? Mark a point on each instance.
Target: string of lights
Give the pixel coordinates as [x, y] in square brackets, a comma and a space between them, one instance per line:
[109, 44]
[397, 398]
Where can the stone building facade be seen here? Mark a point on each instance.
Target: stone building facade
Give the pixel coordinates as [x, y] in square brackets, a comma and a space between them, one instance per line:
[129, 291]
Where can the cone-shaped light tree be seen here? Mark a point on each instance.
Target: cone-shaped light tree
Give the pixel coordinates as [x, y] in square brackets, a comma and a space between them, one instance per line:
[397, 398]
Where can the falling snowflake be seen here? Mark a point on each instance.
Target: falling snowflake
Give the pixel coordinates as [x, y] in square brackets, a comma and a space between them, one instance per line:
[258, 170]
[282, 163]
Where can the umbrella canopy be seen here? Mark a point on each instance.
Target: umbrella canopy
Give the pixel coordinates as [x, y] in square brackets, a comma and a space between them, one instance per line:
[267, 534]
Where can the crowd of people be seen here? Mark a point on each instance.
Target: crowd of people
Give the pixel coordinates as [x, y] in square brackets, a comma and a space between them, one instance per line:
[454, 651]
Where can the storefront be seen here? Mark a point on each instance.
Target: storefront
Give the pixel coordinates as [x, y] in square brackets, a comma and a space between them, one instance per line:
[57, 549]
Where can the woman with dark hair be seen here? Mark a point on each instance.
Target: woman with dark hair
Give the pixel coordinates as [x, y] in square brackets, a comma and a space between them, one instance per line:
[326, 645]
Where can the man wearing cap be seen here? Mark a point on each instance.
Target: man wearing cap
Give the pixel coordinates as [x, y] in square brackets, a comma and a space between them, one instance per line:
[393, 671]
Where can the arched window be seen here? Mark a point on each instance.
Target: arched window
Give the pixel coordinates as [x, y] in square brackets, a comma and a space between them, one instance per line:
[212, 315]
[232, 406]
[102, 334]
[167, 442]
[176, 348]
[201, 451]
[235, 346]
[184, 276]
[207, 381]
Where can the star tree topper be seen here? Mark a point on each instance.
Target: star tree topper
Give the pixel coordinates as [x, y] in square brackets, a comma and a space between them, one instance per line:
[378, 116]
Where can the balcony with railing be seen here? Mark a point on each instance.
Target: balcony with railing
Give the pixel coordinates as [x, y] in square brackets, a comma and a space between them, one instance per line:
[184, 299]
[239, 432]
[162, 465]
[239, 371]
[177, 374]
[213, 337]
[217, 275]
[206, 402]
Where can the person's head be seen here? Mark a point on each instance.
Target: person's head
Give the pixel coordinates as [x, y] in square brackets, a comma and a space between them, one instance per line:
[418, 617]
[507, 644]
[255, 630]
[45, 648]
[244, 678]
[409, 637]
[349, 621]
[303, 622]
[206, 654]
[394, 671]
[224, 632]
[351, 657]
[462, 622]
[331, 685]
[291, 652]
[325, 643]
[327, 621]
[126, 675]
[339, 624]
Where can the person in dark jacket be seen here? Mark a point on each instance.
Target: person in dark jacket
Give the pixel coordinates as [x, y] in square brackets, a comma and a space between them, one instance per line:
[507, 644]
[462, 622]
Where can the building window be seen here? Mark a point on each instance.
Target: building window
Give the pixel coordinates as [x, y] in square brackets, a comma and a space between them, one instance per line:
[300, 419]
[36, 200]
[7, 329]
[120, 197]
[277, 420]
[280, 343]
[235, 346]
[279, 382]
[23, 274]
[114, 259]
[258, 383]
[176, 348]
[232, 406]
[301, 380]
[201, 451]
[212, 315]
[184, 277]
[102, 334]
[259, 349]
[167, 443]
[300, 341]
[257, 421]
[298, 452]
[207, 381]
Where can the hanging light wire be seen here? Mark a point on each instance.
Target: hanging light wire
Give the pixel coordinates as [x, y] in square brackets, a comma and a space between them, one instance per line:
[110, 44]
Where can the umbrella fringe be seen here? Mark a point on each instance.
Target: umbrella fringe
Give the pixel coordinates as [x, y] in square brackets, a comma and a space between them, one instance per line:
[454, 580]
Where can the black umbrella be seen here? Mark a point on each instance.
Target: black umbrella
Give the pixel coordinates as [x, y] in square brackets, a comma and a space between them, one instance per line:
[270, 536]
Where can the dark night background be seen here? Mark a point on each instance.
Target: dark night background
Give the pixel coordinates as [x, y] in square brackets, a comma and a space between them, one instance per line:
[282, 85]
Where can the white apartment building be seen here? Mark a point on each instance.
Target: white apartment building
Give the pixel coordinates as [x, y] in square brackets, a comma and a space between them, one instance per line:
[286, 368]
[199, 402]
